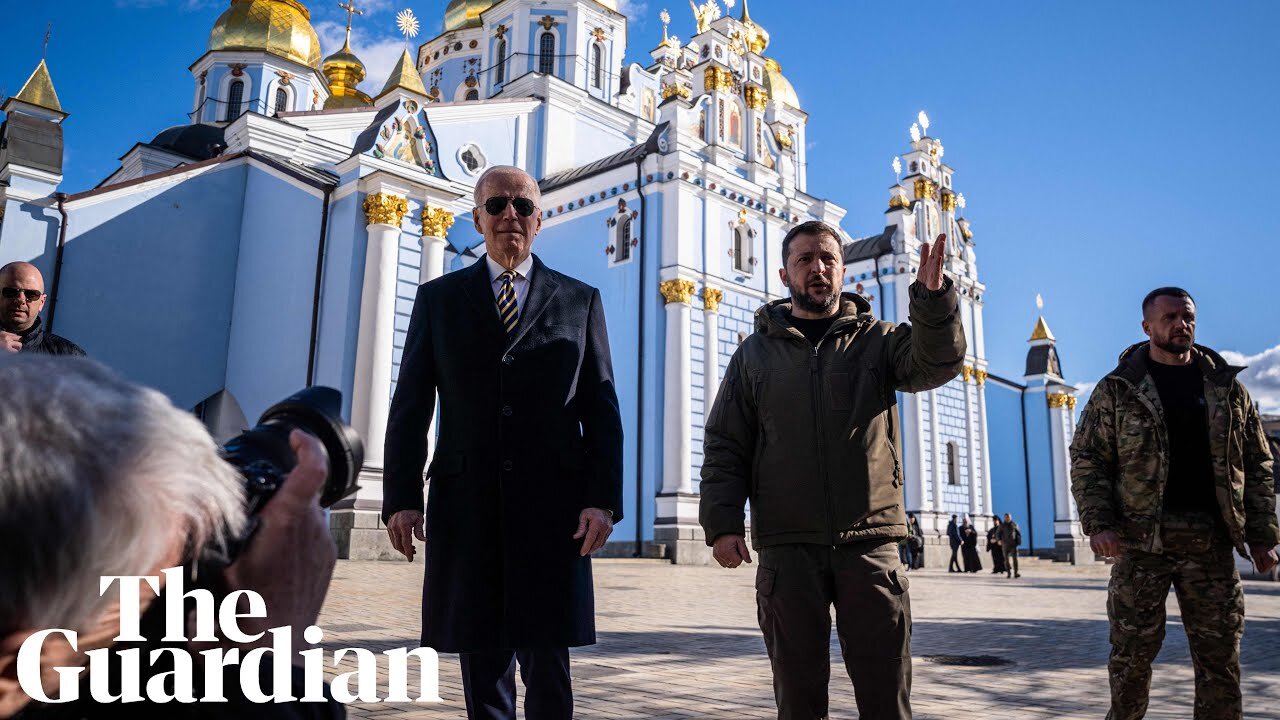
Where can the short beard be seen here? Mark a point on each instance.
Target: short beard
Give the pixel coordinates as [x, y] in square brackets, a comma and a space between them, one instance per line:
[801, 299]
[1175, 347]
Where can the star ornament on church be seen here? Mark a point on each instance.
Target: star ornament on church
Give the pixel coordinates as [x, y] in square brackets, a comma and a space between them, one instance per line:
[407, 24]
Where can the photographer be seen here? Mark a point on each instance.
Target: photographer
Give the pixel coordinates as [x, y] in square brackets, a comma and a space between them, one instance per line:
[99, 477]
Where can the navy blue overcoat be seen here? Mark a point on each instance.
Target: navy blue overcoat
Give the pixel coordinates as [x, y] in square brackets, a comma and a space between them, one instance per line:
[529, 436]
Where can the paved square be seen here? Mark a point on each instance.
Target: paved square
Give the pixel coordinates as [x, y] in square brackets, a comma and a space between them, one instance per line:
[681, 642]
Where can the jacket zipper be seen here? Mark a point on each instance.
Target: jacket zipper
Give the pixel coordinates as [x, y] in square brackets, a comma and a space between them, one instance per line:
[816, 382]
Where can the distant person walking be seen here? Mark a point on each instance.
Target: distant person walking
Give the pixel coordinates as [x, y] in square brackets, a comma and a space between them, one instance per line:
[953, 537]
[969, 539]
[994, 547]
[1010, 539]
[917, 542]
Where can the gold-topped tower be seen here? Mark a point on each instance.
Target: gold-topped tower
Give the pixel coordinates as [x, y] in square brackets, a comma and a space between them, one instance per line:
[38, 90]
[757, 36]
[404, 76]
[777, 85]
[280, 27]
[344, 71]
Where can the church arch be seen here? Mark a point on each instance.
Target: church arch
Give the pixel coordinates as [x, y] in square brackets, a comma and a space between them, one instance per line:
[547, 53]
[597, 65]
[500, 67]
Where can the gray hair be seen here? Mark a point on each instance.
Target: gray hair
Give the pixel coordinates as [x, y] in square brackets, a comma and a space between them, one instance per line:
[505, 170]
[98, 477]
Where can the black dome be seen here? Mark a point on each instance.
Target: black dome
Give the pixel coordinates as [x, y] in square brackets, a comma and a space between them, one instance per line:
[201, 142]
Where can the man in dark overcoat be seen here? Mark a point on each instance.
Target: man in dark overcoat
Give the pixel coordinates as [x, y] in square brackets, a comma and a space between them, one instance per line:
[526, 479]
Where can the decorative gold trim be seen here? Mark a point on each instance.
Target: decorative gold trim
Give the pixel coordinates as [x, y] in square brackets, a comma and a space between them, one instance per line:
[898, 201]
[948, 201]
[716, 78]
[547, 22]
[1041, 331]
[675, 89]
[925, 188]
[1071, 402]
[385, 209]
[711, 298]
[757, 98]
[981, 375]
[1057, 400]
[436, 222]
[676, 291]
[500, 32]
[967, 372]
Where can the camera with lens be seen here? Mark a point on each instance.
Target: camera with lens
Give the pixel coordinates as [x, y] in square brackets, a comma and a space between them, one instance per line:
[264, 458]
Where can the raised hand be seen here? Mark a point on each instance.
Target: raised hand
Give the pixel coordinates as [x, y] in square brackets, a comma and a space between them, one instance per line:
[931, 261]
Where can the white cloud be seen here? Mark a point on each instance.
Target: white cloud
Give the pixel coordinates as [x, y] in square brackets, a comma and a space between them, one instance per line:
[633, 9]
[1262, 376]
[379, 54]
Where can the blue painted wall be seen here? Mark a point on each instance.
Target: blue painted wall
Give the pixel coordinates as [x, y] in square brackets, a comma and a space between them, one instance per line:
[1039, 453]
[1008, 460]
[145, 279]
[576, 248]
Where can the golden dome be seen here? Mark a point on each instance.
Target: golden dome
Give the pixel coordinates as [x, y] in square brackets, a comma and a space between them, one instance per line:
[280, 27]
[344, 72]
[463, 14]
[757, 36]
[778, 87]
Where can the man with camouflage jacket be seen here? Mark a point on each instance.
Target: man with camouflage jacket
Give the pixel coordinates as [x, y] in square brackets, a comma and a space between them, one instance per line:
[1170, 471]
[806, 426]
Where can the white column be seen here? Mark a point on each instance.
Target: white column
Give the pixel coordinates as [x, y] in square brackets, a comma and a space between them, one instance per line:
[1060, 461]
[677, 436]
[971, 449]
[371, 394]
[935, 450]
[435, 225]
[711, 298]
[983, 445]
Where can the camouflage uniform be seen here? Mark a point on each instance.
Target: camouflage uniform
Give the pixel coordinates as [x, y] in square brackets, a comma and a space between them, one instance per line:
[1119, 466]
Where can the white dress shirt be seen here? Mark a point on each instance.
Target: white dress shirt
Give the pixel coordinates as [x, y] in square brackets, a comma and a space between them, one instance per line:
[520, 283]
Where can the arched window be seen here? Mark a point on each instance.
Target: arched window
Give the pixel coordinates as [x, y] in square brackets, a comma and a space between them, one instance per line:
[735, 126]
[953, 464]
[622, 242]
[500, 73]
[741, 249]
[547, 53]
[597, 65]
[282, 100]
[235, 98]
[473, 94]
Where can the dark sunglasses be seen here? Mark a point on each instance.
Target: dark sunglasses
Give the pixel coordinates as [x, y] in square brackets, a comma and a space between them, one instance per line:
[495, 205]
[11, 293]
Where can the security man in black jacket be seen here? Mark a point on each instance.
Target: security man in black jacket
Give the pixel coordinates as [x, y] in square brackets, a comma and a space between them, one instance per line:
[22, 298]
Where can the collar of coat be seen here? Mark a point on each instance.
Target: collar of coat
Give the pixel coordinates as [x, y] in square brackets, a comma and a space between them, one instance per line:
[1135, 358]
[33, 333]
[774, 319]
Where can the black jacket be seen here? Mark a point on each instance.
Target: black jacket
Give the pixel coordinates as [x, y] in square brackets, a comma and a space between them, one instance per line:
[530, 436]
[810, 433]
[38, 340]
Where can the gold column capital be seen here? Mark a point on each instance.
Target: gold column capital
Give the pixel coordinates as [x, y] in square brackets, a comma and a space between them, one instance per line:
[436, 222]
[716, 78]
[676, 291]
[1057, 400]
[1071, 402]
[967, 372]
[385, 209]
[981, 375]
[711, 298]
[757, 98]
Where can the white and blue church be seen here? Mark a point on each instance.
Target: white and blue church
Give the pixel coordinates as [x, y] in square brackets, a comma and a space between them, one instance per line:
[280, 235]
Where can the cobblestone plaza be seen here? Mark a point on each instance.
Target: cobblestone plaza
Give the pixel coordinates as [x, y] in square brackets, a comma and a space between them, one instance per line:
[682, 642]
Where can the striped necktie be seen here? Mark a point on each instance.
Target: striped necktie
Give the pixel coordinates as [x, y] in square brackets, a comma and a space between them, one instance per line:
[508, 312]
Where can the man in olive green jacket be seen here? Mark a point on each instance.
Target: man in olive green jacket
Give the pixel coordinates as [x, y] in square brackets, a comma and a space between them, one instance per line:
[1170, 471]
[806, 426]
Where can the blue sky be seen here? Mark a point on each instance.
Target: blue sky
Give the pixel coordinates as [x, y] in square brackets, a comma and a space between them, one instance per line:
[1104, 148]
